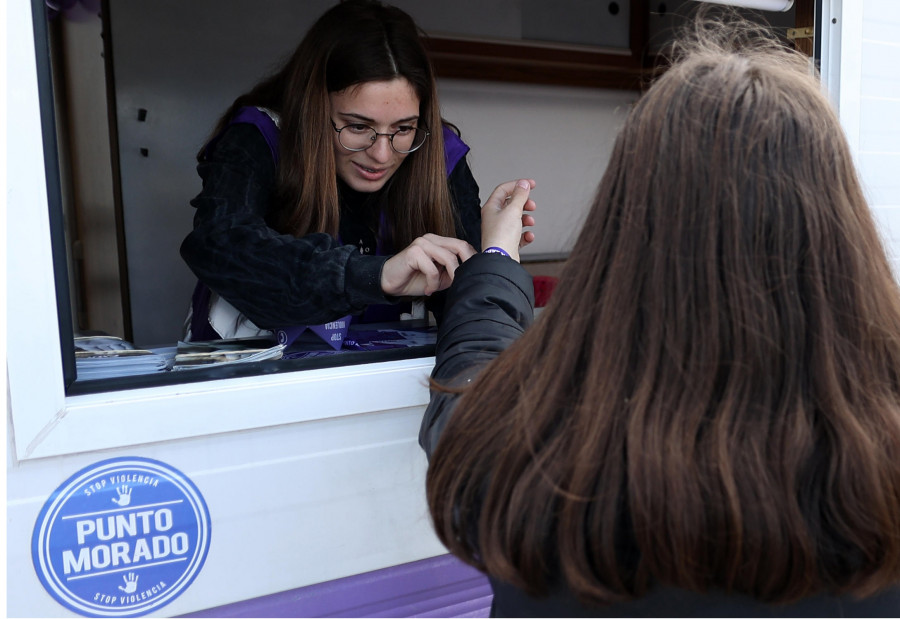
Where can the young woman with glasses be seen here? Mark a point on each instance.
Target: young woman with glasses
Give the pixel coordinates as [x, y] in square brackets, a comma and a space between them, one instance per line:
[332, 186]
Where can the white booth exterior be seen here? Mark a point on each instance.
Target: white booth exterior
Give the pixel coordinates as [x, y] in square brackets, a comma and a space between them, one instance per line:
[307, 476]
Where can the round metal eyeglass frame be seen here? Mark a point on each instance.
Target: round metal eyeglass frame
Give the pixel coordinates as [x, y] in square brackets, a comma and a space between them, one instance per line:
[374, 138]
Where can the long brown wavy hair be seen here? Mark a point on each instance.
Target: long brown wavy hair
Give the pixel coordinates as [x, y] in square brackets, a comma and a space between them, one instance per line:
[355, 41]
[711, 399]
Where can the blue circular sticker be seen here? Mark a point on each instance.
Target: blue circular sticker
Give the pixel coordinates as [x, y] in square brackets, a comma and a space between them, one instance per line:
[121, 538]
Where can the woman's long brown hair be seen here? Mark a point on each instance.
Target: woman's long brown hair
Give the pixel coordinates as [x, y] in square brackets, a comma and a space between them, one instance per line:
[354, 42]
[711, 398]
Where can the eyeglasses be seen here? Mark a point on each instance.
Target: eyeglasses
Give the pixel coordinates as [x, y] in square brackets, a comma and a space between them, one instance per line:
[358, 137]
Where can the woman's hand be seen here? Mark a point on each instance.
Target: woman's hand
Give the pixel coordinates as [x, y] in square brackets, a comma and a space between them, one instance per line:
[425, 267]
[505, 215]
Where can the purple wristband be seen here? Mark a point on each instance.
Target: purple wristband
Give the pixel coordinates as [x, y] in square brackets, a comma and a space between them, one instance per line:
[495, 250]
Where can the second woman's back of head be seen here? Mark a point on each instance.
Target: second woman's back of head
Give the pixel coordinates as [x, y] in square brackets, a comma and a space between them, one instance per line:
[711, 398]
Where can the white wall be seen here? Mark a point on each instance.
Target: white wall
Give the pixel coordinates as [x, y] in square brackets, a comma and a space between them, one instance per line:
[870, 106]
[561, 137]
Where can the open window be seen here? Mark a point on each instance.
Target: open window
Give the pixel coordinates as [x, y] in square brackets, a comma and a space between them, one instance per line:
[112, 102]
[136, 87]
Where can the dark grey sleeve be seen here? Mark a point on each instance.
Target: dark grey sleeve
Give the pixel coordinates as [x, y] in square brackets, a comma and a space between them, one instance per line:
[490, 304]
[274, 279]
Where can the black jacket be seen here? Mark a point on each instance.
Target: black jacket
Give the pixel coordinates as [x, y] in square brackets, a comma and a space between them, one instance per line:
[278, 279]
[488, 306]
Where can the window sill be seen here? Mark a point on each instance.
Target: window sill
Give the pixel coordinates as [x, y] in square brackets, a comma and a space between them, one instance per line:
[116, 419]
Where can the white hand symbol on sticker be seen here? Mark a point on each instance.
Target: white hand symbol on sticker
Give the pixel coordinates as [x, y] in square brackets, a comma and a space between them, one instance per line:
[124, 496]
[130, 583]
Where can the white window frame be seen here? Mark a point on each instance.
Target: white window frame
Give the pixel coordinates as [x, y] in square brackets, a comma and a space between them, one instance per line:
[44, 421]
[842, 25]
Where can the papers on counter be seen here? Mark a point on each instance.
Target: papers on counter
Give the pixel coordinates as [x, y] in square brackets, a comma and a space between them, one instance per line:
[106, 356]
[193, 355]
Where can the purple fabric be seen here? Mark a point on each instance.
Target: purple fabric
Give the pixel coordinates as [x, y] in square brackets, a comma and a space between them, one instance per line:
[287, 335]
[438, 587]
[332, 333]
[201, 330]
[264, 123]
[261, 120]
[454, 149]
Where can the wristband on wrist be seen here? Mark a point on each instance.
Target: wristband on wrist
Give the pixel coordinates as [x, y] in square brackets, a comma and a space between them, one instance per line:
[495, 250]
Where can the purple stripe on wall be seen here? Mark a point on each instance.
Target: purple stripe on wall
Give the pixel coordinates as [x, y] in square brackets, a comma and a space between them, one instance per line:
[438, 587]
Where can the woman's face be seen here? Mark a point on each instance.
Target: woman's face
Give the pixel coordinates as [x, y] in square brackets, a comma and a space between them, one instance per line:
[386, 107]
